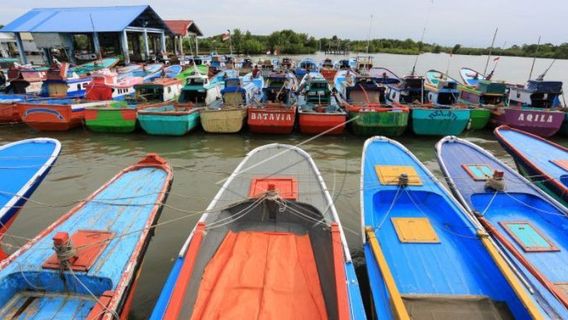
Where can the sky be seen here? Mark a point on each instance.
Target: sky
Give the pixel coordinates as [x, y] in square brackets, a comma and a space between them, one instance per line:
[446, 22]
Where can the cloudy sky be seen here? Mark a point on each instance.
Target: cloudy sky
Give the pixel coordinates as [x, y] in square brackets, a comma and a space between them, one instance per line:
[447, 22]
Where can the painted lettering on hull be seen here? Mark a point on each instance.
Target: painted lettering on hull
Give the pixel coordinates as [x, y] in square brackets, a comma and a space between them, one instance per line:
[442, 115]
[535, 117]
[43, 110]
[269, 116]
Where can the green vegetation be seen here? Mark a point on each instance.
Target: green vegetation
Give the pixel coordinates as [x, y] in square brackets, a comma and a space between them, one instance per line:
[290, 42]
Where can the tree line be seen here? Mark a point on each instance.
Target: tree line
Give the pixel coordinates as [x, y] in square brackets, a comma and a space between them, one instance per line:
[290, 42]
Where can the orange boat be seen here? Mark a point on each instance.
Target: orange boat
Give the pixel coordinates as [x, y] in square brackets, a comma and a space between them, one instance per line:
[277, 111]
[55, 114]
[327, 70]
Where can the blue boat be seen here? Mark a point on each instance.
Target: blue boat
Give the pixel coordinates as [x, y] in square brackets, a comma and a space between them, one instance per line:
[172, 71]
[543, 162]
[424, 255]
[270, 246]
[528, 224]
[306, 65]
[23, 165]
[85, 265]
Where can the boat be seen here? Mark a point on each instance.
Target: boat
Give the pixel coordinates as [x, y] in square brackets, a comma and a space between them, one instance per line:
[539, 160]
[526, 223]
[246, 66]
[266, 67]
[25, 164]
[61, 83]
[228, 114]
[96, 65]
[56, 114]
[442, 115]
[426, 258]
[107, 85]
[86, 264]
[318, 110]
[121, 116]
[305, 66]
[172, 71]
[275, 222]
[191, 70]
[481, 95]
[363, 64]
[200, 90]
[345, 64]
[169, 119]
[276, 112]
[327, 70]
[365, 102]
[409, 90]
[9, 106]
[287, 63]
[532, 108]
[25, 79]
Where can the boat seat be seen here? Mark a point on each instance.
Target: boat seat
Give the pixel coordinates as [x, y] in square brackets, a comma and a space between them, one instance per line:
[234, 99]
[455, 307]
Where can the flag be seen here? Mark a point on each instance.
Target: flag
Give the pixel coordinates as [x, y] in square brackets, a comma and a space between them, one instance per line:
[226, 35]
[496, 59]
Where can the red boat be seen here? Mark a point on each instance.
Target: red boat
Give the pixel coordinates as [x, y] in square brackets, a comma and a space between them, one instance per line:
[277, 111]
[318, 111]
[25, 79]
[275, 118]
[327, 70]
[106, 86]
[54, 114]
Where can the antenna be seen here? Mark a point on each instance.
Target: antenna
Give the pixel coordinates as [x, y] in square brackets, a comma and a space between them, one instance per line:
[490, 51]
[416, 60]
[369, 35]
[541, 77]
[534, 58]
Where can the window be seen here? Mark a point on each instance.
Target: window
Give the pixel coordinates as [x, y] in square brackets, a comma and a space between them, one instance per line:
[79, 87]
[528, 236]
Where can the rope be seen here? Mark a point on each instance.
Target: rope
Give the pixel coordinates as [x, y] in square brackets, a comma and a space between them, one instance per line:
[105, 308]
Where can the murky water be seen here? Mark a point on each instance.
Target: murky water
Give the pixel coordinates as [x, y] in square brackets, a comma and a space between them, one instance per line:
[199, 161]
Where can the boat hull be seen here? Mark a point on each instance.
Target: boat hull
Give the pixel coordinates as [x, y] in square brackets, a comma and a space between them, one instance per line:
[271, 120]
[111, 120]
[564, 128]
[316, 122]
[51, 117]
[479, 118]
[540, 122]
[229, 120]
[9, 113]
[164, 124]
[439, 122]
[389, 123]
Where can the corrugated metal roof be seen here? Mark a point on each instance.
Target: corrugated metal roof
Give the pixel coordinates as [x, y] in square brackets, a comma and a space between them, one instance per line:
[78, 19]
[182, 27]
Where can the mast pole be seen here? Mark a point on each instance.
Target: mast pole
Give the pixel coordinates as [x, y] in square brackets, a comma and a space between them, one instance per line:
[490, 51]
[534, 58]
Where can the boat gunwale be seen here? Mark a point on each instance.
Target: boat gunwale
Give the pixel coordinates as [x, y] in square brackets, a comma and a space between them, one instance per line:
[517, 153]
[21, 194]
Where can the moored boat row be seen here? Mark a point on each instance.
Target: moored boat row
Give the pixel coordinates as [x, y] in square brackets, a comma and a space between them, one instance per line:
[493, 247]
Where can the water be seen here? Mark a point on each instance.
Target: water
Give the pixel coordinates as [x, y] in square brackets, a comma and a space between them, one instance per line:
[200, 160]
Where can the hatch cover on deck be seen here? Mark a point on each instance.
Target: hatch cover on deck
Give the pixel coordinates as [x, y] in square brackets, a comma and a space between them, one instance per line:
[478, 172]
[389, 175]
[528, 237]
[561, 163]
[286, 187]
[88, 245]
[415, 230]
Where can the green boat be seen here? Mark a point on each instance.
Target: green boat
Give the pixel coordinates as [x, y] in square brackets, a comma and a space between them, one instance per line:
[367, 107]
[169, 119]
[439, 121]
[371, 122]
[481, 95]
[96, 65]
[114, 117]
[201, 69]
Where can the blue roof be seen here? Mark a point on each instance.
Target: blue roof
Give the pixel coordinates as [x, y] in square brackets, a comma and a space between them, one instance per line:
[83, 19]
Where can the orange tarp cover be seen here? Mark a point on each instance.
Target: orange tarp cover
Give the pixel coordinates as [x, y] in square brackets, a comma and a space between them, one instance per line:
[261, 275]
